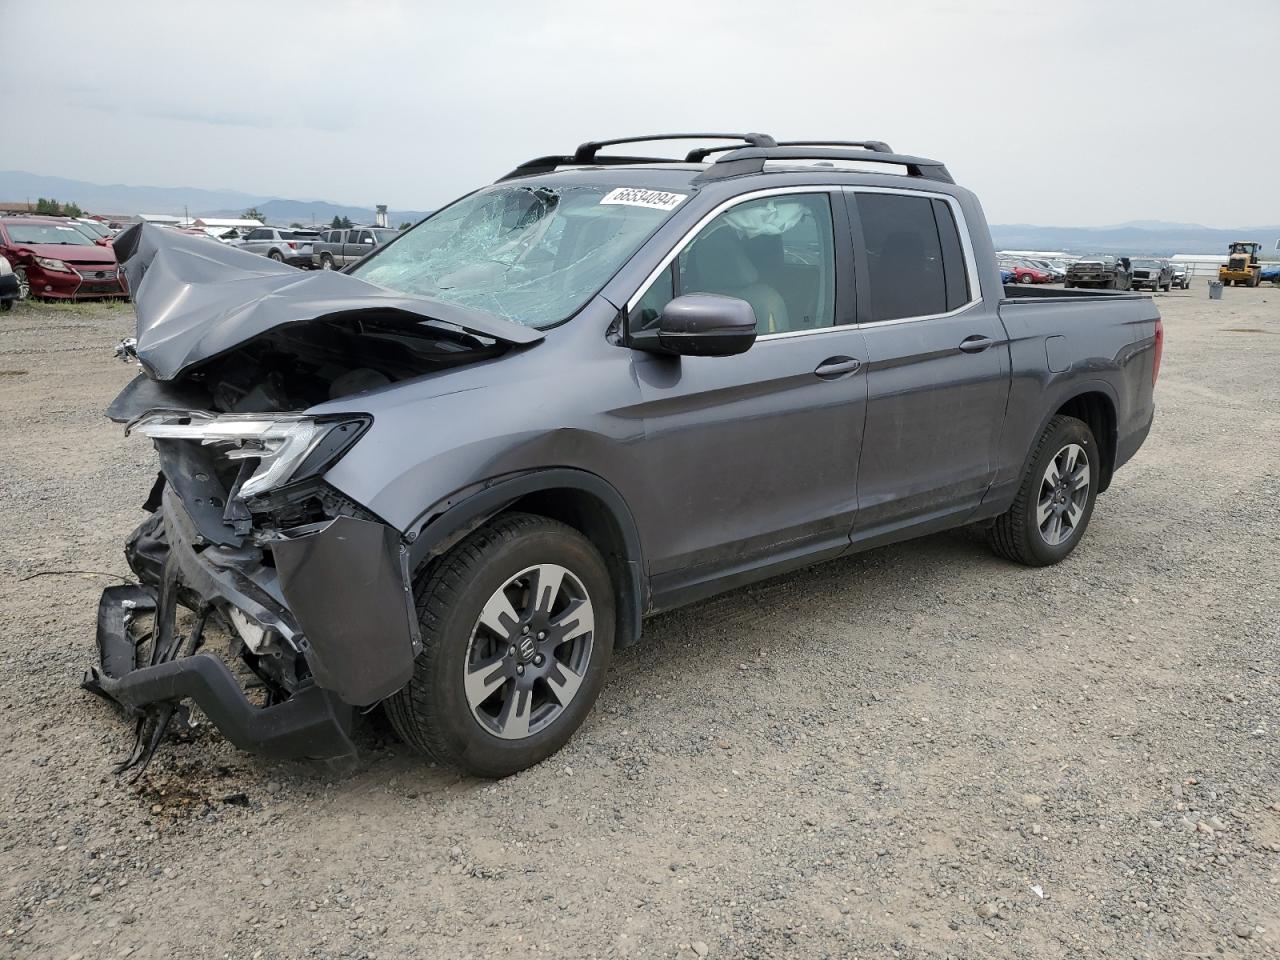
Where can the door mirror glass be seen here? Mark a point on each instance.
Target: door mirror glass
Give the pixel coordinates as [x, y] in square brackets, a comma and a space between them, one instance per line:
[701, 325]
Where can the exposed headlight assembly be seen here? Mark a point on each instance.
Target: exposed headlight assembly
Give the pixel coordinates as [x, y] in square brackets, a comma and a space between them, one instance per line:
[285, 447]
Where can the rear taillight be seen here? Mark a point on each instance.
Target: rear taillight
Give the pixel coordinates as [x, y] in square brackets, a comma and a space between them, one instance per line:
[1155, 363]
[292, 245]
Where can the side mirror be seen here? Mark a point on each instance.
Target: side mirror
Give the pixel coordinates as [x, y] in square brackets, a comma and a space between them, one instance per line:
[701, 325]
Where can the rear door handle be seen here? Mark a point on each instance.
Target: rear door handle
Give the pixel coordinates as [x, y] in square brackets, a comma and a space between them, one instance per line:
[833, 368]
[975, 344]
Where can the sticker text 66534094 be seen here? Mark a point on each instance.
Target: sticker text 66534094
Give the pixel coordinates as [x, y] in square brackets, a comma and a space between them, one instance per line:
[638, 197]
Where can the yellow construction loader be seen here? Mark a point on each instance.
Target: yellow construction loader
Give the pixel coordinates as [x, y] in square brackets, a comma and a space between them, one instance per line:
[1242, 267]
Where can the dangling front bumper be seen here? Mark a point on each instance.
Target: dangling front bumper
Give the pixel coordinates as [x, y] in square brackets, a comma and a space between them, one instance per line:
[335, 598]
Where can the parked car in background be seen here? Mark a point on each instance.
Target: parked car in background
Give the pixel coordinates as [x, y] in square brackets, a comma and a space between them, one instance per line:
[284, 246]
[1181, 275]
[454, 477]
[1058, 274]
[1150, 273]
[8, 285]
[55, 260]
[1006, 275]
[337, 248]
[1104, 271]
[99, 231]
[1271, 272]
[1024, 273]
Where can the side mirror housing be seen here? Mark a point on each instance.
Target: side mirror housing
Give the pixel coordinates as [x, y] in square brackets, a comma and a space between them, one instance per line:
[701, 325]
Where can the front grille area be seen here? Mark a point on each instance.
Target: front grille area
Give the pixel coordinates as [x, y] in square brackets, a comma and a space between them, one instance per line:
[97, 272]
[1237, 263]
[1141, 274]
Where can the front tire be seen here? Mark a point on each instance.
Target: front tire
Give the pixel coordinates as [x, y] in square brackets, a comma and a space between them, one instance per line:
[24, 284]
[1026, 278]
[517, 626]
[1051, 511]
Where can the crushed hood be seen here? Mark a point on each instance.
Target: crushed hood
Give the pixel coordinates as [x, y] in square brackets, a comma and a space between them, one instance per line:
[197, 298]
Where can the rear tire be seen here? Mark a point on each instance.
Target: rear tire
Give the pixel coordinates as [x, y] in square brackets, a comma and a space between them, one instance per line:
[1053, 505]
[502, 681]
[277, 256]
[326, 262]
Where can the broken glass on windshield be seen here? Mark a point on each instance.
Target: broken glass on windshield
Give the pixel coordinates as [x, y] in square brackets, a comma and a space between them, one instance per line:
[532, 254]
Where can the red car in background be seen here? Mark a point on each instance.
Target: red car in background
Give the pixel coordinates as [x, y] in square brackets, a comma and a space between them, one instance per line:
[53, 259]
[1025, 274]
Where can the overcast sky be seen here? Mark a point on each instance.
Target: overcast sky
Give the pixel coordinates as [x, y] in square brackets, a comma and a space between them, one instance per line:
[1069, 113]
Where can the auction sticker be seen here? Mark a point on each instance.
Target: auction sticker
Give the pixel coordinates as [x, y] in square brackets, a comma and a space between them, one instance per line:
[638, 197]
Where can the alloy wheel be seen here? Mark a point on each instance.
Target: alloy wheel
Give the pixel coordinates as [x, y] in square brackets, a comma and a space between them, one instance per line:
[529, 651]
[24, 285]
[1064, 492]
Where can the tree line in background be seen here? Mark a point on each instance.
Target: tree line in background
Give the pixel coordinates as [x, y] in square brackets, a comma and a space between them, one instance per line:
[52, 208]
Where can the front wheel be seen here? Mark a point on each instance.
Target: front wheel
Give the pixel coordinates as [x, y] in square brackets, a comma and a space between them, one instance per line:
[1055, 501]
[517, 627]
[1026, 278]
[24, 285]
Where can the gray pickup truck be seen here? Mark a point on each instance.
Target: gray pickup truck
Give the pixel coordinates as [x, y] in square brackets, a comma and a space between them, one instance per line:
[1153, 273]
[337, 248]
[453, 479]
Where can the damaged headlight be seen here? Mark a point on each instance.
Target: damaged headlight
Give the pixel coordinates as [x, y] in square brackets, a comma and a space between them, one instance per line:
[285, 447]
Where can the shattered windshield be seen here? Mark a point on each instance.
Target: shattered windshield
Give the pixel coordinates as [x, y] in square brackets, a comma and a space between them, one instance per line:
[528, 253]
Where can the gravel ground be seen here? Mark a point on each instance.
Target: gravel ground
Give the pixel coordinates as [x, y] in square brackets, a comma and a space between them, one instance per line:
[918, 752]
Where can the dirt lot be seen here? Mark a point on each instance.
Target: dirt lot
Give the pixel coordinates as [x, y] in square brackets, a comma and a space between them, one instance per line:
[918, 752]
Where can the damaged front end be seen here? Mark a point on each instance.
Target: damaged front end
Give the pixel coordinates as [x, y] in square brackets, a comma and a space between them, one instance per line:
[313, 589]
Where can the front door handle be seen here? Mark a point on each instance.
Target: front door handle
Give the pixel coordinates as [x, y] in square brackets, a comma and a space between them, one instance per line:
[975, 344]
[833, 368]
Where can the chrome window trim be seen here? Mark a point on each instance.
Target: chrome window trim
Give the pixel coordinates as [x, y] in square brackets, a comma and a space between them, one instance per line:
[715, 212]
[966, 247]
[962, 226]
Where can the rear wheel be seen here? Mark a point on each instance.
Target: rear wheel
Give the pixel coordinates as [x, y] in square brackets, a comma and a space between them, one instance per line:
[326, 262]
[277, 256]
[517, 631]
[1055, 501]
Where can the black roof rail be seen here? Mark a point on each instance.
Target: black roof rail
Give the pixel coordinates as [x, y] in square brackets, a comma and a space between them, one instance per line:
[586, 154]
[877, 146]
[752, 160]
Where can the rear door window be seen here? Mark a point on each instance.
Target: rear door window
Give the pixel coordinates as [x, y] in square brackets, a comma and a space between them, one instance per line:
[914, 259]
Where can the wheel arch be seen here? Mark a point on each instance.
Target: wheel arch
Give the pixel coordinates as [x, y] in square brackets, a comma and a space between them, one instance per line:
[1097, 408]
[582, 500]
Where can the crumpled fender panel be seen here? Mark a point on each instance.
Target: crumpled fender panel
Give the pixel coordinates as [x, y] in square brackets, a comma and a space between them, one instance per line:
[197, 298]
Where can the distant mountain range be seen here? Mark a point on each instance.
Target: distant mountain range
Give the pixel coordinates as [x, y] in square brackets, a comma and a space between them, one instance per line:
[1138, 237]
[17, 186]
